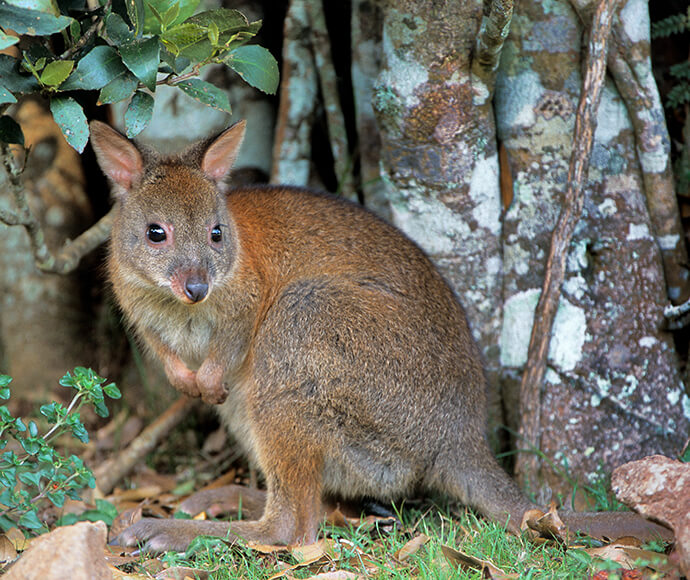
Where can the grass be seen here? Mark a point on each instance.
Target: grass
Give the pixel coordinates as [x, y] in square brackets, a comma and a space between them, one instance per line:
[375, 553]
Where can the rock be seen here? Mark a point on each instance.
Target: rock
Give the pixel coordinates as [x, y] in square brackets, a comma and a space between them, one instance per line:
[659, 488]
[67, 553]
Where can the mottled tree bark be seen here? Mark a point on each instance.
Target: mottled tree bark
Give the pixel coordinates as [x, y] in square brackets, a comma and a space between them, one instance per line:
[612, 390]
[439, 155]
[527, 466]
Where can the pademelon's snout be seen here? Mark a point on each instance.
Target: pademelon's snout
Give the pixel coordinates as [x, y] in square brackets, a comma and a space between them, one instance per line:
[190, 285]
[196, 288]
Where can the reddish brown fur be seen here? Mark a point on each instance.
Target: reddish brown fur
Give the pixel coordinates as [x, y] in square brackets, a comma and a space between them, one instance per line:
[339, 358]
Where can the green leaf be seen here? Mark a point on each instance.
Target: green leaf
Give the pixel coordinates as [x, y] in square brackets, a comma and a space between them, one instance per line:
[150, 25]
[170, 16]
[137, 118]
[30, 520]
[120, 88]
[255, 65]
[142, 57]
[30, 478]
[206, 93]
[136, 14]
[7, 40]
[47, 6]
[80, 432]
[213, 34]
[6, 96]
[191, 38]
[112, 391]
[13, 80]
[177, 64]
[100, 66]
[49, 411]
[75, 31]
[117, 30]
[30, 445]
[184, 37]
[57, 497]
[70, 117]
[31, 22]
[10, 132]
[168, 13]
[33, 429]
[68, 380]
[56, 72]
[5, 380]
[8, 477]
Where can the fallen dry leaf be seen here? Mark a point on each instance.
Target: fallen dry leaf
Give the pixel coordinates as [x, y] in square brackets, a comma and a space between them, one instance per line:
[120, 575]
[182, 573]
[549, 525]
[628, 555]
[411, 547]
[18, 539]
[266, 548]
[466, 562]
[310, 553]
[7, 550]
[318, 554]
[336, 575]
[620, 574]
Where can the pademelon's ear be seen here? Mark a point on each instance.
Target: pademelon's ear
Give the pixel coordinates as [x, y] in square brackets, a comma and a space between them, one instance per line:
[118, 157]
[220, 155]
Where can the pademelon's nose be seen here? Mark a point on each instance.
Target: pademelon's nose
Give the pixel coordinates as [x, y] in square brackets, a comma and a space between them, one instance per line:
[196, 288]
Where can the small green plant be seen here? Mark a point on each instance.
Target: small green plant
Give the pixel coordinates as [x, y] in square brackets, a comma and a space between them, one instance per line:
[121, 50]
[34, 472]
[680, 72]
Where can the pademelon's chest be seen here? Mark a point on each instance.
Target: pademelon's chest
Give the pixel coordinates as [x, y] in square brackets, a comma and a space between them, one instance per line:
[189, 337]
[186, 330]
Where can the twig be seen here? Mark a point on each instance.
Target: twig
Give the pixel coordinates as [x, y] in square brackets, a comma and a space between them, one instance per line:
[96, 25]
[109, 473]
[321, 45]
[67, 258]
[492, 34]
[672, 311]
[585, 125]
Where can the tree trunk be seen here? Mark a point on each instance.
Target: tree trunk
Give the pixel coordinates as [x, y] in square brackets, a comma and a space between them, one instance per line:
[44, 318]
[612, 391]
[439, 156]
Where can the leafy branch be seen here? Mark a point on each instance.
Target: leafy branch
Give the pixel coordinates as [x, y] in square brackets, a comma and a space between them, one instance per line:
[123, 51]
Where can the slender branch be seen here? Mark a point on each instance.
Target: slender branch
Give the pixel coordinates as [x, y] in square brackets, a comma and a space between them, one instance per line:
[97, 24]
[68, 257]
[632, 73]
[492, 34]
[109, 473]
[585, 125]
[321, 45]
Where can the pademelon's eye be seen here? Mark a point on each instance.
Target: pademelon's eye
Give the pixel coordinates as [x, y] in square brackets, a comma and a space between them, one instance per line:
[216, 235]
[155, 233]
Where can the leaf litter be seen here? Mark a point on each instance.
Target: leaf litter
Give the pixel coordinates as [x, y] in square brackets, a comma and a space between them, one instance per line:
[334, 557]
